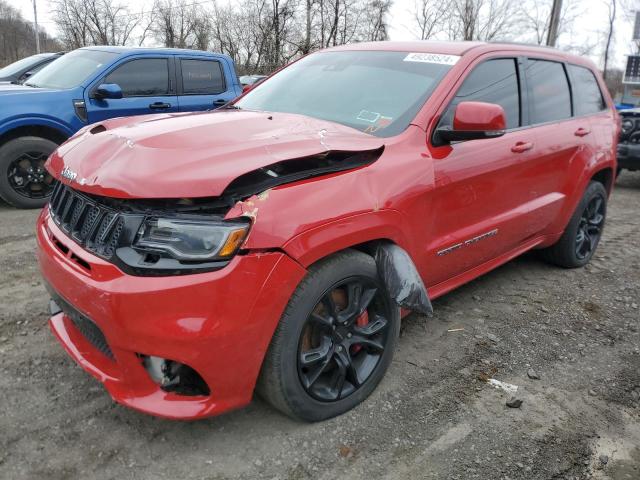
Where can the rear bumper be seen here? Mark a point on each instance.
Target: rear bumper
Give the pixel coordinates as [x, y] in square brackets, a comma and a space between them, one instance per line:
[219, 323]
[629, 156]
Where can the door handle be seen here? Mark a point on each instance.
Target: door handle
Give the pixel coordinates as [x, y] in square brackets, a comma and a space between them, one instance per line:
[219, 102]
[581, 132]
[159, 105]
[521, 147]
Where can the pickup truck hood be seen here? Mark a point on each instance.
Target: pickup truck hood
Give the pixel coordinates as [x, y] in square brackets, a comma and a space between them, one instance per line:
[192, 155]
[8, 88]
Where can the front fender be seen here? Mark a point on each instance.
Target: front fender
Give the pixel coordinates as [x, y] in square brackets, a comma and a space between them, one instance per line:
[316, 243]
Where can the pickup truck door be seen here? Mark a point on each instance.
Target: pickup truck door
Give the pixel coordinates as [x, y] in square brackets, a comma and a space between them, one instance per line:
[148, 86]
[204, 83]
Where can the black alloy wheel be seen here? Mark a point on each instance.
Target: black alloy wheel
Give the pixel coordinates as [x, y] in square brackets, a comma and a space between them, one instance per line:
[590, 227]
[28, 177]
[24, 181]
[334, 341]
[343, 339]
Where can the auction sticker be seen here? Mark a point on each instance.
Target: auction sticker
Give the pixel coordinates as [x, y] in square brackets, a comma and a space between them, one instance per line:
[432, 58]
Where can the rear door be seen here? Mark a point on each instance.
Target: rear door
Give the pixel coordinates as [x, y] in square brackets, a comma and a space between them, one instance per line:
[147, 84]
[481, 186]
[562, 141]
[202, 83]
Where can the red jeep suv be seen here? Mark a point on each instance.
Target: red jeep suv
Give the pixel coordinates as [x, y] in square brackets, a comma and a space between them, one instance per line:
[274, 244]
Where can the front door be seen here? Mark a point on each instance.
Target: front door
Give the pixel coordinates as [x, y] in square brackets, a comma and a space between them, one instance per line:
[481, 186]
[147, 87]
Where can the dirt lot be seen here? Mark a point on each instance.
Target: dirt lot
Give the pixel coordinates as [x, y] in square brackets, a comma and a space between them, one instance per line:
[434, 416]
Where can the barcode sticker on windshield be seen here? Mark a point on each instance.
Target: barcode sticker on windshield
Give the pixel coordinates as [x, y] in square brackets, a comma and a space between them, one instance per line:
[432, 58]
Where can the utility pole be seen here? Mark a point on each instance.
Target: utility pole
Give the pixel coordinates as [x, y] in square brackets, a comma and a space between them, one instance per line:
[35, 18]
[554, 21]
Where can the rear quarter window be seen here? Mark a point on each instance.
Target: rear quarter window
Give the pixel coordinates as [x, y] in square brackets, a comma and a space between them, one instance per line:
[549, 94]
[587, 97]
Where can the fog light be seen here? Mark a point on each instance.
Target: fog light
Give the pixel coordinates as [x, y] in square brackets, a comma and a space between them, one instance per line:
[174, 376]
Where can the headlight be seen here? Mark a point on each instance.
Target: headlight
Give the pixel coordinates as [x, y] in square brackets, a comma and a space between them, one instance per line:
[191, 240]
[627, 126]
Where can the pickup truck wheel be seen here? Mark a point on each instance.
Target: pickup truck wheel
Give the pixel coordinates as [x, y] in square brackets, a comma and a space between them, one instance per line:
[24, 182]
[334, 341]
[581, 237]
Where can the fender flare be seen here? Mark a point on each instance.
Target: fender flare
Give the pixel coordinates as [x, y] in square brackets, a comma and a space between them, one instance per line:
[39, 121]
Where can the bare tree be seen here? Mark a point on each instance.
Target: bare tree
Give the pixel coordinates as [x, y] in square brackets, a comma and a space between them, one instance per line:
[17, 36]
[430, 17]
[611, 5]
[96, 22]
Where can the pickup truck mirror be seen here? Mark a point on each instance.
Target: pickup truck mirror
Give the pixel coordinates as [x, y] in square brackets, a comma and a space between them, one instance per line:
[108, 90]
[473, 121]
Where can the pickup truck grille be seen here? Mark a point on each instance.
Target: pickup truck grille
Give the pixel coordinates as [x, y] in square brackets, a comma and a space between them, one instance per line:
[94, 226]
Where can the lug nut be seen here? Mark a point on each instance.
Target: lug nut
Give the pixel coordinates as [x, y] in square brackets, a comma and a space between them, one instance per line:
[348, 335]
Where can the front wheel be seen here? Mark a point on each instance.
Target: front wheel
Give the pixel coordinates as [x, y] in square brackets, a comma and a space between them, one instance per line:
[24, 182]
[582, 236]
[334, 341]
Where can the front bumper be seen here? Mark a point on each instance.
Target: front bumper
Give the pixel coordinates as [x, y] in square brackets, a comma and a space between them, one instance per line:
[629, 156]
[218, 323]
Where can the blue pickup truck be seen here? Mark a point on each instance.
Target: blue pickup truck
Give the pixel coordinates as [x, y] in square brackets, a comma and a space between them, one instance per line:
[92, 84]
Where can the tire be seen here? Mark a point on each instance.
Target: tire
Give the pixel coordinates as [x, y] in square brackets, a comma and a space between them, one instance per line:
[283, 371]
[16, 156]
[569, 252]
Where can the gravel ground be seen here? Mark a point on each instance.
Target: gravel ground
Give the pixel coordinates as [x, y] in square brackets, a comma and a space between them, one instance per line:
[433, 416]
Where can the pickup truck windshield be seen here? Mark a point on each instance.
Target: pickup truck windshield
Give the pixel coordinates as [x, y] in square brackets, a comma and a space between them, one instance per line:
[71, 69]
[373, 91]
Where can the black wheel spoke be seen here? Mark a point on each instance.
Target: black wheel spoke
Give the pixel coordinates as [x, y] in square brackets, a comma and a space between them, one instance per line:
[354, 293]
[344, 357]
[369, 344]
[322, 321]
[316, 355]
[374, 327]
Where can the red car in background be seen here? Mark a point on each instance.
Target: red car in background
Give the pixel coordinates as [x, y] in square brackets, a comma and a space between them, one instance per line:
[275, 242]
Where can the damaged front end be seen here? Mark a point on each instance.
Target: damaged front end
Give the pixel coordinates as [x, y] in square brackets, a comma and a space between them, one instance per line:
[187, 235]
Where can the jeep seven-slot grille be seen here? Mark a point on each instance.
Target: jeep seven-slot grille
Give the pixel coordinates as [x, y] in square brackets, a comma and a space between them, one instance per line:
[91, 224]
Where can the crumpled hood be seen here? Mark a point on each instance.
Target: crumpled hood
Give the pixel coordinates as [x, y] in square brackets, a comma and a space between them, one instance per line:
[192, 155]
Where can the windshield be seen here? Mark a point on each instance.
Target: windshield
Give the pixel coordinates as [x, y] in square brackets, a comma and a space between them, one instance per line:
[373, 91]
[71, 69]
[20, 65]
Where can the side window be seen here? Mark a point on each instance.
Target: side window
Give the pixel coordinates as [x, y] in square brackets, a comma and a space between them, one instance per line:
[202, 77]
[587, 97]
[494, 81]
[549, 95]
[142, 78]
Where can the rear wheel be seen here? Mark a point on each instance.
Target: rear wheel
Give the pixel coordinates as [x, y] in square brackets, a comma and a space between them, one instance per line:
[24, 182]
[581, 237]
[334, 342]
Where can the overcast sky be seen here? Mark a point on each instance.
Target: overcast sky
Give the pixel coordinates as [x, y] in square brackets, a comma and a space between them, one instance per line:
[587, 27]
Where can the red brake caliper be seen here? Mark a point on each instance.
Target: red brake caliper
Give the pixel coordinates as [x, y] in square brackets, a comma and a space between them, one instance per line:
[361, 321]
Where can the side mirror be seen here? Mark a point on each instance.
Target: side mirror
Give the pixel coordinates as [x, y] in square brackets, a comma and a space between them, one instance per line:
[108, 90]
[473, 121]
[246, 88]
[26, 75]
